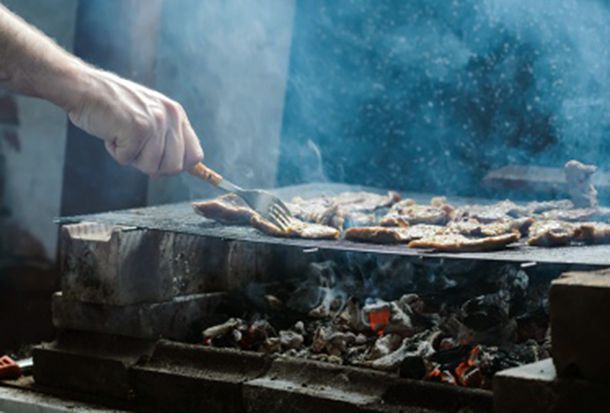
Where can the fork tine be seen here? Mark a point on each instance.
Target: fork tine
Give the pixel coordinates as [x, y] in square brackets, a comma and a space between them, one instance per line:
[279, 217]
[280, 214]
[277, 222]
[283, 207]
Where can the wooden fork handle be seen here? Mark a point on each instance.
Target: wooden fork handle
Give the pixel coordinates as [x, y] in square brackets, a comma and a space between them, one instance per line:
[203, 172]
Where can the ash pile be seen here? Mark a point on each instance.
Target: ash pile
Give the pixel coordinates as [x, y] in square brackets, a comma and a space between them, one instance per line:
[452, 322]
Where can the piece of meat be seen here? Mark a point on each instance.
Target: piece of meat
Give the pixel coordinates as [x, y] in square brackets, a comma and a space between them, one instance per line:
[538, 207]
[230, 209]
[472, 227]
[551, 233]
[345, 209]
[407, 212]
[595, 233]
[455, 242]
[485, 214]
[578, 214]
[580, 184]
[391, 235]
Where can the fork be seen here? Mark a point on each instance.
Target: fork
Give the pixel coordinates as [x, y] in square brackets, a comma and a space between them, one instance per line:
[269, 206]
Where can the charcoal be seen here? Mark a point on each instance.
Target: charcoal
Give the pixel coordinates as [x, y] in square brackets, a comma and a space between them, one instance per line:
[400, 322]
[452, 326]
[299, 327]
[257, 333]
[271, 345]
[441, 376]
[352, 316]
[469, 375]
[384, 345]
[332, 342]
[412, 367]
[229, 329]
[290, 339]
[452, 356]
[273, 302]
[487, 319]
[360, 339]
[328, 358]
[416, 346]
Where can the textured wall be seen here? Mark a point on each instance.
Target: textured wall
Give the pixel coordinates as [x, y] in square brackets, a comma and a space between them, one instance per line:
[34, 173]
[226, 62]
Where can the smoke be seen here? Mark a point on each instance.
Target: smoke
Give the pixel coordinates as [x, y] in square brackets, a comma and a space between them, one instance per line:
[226, 62]
[425, 95]
[430, 95]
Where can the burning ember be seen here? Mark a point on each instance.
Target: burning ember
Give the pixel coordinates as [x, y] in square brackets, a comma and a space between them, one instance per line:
[462, 326]
[378, 316]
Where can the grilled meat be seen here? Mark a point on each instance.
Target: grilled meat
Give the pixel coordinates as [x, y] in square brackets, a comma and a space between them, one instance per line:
[385, 219]
[550, 233]
[472, 227]
[455, 242]
[230, 209]
[578, 214]
[595, 233]
[391, 235]
[351, 208]
[538, 207]
[408, 212]
[485, 214]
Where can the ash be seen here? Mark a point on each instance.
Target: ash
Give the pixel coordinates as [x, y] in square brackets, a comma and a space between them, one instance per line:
[451, 322]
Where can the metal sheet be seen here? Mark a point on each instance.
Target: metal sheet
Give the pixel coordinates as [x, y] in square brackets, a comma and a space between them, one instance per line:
[181, 218]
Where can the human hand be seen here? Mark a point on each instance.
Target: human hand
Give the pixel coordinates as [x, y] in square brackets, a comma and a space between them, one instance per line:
[140, 127]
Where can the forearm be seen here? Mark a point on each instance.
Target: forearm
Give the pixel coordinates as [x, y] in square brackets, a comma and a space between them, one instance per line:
[32, 64]
[139, 126]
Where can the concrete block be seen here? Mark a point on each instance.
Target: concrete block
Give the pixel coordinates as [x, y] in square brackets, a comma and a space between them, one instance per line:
[90, 363]
[580, 325]
[321, 387]
[119, 265]
[535, 388]
[193, 378]
[114, 264]
[178, 319]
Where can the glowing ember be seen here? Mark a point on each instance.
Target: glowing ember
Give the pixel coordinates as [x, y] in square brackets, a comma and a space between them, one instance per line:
[442, 376]
[379, 319]
[467, 372]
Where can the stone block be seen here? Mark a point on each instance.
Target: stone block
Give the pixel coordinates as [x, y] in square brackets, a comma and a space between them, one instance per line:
[90, 363]
[193, 378]
[535, 388]
[180, 318]
[580, 325]
[119, 265]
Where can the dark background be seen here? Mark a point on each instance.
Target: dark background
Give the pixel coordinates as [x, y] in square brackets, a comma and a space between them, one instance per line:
[431, 95]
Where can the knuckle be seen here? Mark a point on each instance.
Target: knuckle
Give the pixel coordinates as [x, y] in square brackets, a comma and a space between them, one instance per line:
[176, 109]
[159, 118]
[142, 126]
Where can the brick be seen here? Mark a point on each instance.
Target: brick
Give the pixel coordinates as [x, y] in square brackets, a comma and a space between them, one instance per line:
[535, 388]
[94, 364]
[119, 265]
[179, 319]
[193, 378]
[580, 325]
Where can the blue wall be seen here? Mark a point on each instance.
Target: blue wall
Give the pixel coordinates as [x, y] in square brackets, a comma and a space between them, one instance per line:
[430, 95]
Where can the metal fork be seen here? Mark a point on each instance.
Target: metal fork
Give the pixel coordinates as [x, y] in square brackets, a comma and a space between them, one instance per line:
[269, 206]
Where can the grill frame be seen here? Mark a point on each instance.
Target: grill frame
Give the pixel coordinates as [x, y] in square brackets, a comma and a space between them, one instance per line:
[180, 218]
